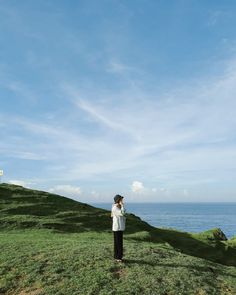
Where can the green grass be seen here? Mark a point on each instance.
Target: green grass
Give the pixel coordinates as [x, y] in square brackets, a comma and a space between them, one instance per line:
[54, 245]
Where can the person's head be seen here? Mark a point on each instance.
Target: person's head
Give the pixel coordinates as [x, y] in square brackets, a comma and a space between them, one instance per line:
[118, 198]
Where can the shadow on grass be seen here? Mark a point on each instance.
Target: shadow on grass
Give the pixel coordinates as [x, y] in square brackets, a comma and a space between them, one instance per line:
[215, 251]
[208, 272]
[174, 265]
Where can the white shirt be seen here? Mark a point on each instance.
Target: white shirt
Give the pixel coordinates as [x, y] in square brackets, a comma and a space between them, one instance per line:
[118, 215]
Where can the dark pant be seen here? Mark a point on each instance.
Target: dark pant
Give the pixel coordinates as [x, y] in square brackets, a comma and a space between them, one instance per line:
[118, 244]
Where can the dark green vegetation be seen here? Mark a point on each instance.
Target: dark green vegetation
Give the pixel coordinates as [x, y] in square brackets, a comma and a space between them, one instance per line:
[54, 245]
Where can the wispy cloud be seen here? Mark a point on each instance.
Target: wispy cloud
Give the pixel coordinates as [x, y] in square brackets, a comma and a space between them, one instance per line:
[91, 110]
[214, 17]
[218, 15]
[179, 132]
[22, 91]
[117, 67]
[166, 136]
[66, 190]
[105, 109]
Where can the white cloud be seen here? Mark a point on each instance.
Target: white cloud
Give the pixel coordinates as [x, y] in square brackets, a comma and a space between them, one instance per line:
[66, 190]
[137, 187]
[20, 182]
[154, 190]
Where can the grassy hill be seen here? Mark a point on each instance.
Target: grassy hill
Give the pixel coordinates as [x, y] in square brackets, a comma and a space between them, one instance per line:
[25, 208]
[54, 245]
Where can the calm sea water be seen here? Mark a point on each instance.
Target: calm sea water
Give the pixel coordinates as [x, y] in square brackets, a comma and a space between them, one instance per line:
[191, 217]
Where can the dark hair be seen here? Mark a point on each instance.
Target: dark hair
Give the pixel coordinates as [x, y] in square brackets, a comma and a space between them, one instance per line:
[117, 198]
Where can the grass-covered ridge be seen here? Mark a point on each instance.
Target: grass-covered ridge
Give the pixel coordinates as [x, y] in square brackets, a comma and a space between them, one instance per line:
[24, 208]
[54, 245]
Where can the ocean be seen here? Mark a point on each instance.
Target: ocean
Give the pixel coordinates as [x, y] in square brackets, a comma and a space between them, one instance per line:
[191, 217]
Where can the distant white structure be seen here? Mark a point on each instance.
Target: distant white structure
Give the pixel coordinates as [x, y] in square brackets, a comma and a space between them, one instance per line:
[1, 174]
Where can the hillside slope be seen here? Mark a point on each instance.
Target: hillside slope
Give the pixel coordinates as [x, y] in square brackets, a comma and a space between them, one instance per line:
[24, 208]
[54, 245]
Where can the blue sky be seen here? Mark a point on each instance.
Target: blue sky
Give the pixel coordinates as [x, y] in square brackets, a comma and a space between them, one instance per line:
[133, 97]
